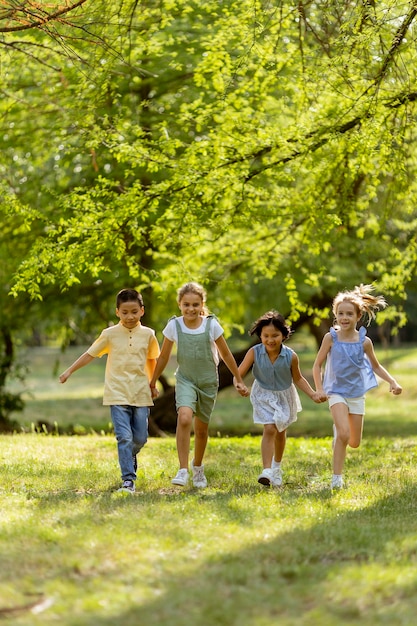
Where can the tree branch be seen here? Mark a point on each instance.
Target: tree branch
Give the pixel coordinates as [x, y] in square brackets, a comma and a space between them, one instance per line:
[40, 21]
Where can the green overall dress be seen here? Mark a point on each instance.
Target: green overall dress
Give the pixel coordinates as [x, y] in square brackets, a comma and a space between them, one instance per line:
[197, 375]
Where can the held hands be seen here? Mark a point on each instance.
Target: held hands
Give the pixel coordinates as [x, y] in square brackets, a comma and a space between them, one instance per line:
[319, 396]
[241, 388]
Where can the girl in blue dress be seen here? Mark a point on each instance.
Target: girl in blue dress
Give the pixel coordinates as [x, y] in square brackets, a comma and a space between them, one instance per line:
[275, 400]
[350, 370]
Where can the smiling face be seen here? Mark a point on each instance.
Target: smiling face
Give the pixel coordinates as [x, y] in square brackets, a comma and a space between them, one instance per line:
[347, 316]
[271, 338]
[130, 313]
[191, 307]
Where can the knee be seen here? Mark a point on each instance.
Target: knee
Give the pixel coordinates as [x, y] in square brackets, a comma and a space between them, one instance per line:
[343, 436]
[270, 430]
[354, 443]
[185, 419]
[124, 438]
[280, 436]
[139, 442]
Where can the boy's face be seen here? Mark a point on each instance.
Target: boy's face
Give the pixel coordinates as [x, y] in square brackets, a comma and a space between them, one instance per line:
[130, 313]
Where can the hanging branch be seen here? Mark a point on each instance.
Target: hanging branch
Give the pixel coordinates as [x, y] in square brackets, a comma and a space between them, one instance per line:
[40, 21]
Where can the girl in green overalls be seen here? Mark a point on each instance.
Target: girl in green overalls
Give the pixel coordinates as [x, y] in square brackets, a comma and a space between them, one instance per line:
[199, 338]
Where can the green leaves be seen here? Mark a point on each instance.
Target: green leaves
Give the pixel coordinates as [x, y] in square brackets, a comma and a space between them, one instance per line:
[229, 142]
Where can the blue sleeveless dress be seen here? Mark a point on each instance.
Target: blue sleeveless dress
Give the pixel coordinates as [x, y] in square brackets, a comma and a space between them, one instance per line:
[348, 371]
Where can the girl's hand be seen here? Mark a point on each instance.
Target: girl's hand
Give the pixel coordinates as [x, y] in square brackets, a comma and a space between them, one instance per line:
[154, 392]
[242, 389]
[319, 396]
[395, 388]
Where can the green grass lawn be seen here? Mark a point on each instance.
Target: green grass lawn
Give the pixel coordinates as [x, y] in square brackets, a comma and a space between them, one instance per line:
[75, 552]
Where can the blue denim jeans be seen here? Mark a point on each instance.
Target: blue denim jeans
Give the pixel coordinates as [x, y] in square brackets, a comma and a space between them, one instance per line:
[130, 425]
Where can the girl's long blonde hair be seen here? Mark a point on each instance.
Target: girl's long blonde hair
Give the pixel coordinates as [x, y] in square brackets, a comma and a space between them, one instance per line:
[365, 304]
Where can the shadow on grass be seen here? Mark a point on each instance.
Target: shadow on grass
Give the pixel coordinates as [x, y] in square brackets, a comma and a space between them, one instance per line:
[307, 575]
[291, 579]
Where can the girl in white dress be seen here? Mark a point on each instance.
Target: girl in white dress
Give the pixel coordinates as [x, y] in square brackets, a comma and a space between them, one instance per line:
[274, 397]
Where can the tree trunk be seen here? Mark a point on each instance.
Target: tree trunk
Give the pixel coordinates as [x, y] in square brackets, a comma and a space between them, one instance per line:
[9, 402]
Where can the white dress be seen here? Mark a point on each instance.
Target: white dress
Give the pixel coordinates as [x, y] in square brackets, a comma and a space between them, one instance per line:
[275, 407]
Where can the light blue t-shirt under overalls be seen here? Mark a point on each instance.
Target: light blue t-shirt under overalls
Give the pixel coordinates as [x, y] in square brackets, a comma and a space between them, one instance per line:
[348, 371]
[197, 374]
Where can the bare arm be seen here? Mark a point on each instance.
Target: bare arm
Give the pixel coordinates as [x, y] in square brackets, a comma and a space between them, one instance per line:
[326, 344]
[379, 369]
[229, 360]
[161, 364]
[303, 384]
[83, 360]
[247, 362]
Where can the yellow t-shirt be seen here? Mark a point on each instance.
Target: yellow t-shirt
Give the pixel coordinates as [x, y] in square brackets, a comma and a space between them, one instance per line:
[128, 350]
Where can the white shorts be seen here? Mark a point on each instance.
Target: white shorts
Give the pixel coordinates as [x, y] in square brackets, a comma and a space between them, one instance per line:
[356, 406]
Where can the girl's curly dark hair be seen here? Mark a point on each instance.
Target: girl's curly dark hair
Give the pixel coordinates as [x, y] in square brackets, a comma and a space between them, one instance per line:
[274, 318]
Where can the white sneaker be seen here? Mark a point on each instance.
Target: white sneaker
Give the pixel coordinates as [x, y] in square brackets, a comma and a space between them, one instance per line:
[266, 477]
[337, 482]
[276, 479]
[199, 479]
[181, 478]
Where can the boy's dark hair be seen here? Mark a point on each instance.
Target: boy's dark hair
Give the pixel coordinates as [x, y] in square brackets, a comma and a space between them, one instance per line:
[271, 317]
[128, 295]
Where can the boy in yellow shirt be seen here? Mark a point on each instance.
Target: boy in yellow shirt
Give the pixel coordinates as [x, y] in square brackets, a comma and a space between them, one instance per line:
[132, 350]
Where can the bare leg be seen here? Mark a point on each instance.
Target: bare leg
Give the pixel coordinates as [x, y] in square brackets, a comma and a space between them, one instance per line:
[280, 441]
[356, 427]
[200, 440]
[267, 444]
[349, 432]
[340, 414]
[183, 434]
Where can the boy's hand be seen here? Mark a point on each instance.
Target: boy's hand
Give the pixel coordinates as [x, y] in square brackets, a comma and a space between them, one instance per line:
[154, 392]
[64, 377]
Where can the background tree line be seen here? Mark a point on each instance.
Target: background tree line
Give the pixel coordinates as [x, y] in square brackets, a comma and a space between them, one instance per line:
[267, 150]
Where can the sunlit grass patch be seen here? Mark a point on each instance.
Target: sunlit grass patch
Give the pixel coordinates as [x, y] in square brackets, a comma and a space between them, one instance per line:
[300, 554]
